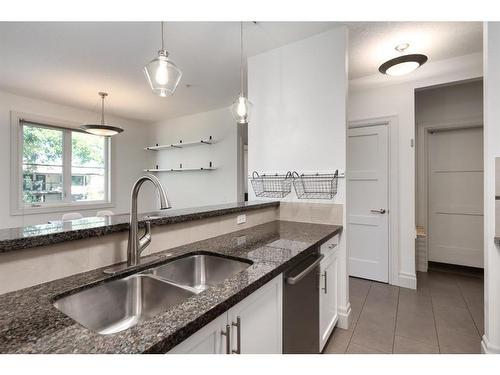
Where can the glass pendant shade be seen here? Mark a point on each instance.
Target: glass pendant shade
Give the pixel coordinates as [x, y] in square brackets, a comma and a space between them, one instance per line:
[241, 109]
[163, 75]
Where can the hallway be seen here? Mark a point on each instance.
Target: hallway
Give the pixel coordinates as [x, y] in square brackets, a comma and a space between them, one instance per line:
[445, 315]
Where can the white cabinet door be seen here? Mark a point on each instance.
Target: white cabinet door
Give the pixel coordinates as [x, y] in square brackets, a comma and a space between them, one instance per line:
[260, 321]
[259, 329]
[208, 340]
[328, 298]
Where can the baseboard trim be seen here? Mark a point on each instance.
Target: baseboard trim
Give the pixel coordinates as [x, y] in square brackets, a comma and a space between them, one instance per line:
[487, 348]
[345, 317]
[407, 280]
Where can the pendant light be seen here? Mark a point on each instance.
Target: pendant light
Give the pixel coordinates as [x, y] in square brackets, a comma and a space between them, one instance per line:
[241, 106]
[162, 74]
[102, 128]
[403, 64]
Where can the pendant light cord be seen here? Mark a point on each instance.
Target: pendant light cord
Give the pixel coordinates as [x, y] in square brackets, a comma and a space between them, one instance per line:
[102, 109]
[241, 58]
[162, 38]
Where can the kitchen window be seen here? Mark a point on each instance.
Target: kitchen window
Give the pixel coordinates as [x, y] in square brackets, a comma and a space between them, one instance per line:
[60, 168]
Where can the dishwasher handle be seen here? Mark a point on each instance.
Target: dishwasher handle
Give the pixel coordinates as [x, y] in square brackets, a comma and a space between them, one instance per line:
[294, 280]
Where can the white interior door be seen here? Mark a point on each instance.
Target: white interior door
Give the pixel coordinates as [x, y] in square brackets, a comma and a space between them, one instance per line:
[367, 202]
[455, 196]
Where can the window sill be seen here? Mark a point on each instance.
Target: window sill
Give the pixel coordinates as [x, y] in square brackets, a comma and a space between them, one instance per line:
[61, 208]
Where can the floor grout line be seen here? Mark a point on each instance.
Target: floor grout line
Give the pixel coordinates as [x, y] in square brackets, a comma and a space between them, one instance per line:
[359, 316]
[468, 309]
[434, 318]
[396, 321]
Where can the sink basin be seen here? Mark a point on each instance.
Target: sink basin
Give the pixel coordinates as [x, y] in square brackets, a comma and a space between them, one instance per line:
[120, 304]
[199, 271]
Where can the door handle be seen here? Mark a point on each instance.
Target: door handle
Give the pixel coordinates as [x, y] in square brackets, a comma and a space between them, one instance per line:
[227, 333]
[238, 335]
[379, 211]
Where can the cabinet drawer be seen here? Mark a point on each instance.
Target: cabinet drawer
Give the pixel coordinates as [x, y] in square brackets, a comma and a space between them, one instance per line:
[330, 246]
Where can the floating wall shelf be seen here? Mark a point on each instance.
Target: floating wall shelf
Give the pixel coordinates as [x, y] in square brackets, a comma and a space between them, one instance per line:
[181, 144]
[180, 169]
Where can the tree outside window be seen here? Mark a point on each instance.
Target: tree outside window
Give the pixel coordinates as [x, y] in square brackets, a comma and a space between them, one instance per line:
[44, 158]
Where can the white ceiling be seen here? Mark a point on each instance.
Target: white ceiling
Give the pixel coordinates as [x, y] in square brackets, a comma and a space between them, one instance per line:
[70, 62]
[372, 43]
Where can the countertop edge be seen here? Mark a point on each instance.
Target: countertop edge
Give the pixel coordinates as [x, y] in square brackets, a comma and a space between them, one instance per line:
[22, 243]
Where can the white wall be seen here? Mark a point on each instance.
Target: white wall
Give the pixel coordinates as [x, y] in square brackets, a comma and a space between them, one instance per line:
[129, 157]
[198, 188]
[299, 119]
[449, 103]
[367, 101]
[299, 97]
[491, 37]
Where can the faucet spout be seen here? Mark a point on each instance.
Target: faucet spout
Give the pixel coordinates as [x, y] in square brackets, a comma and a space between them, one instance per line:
[135, 244]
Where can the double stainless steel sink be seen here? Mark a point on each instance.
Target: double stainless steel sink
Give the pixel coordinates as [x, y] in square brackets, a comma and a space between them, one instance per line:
[198, 272]
[116, 305]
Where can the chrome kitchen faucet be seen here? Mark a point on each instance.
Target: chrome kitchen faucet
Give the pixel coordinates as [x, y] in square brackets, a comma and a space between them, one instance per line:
[137, 245]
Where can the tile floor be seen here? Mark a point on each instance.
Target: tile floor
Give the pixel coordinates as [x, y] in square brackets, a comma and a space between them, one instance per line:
[444, 315]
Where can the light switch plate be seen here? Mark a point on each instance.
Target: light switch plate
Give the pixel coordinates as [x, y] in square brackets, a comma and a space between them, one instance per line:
[241, 219]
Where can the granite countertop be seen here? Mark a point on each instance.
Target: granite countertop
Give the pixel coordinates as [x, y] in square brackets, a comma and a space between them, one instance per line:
[30, 324]
[47, 234]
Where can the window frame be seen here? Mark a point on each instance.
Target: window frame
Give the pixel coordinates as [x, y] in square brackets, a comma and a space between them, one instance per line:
[18, 206]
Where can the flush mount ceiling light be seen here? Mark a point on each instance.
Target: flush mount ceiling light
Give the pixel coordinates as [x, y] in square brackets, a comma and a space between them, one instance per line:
[403, 64]
[241, 106]
[102, 128]
[162, 74]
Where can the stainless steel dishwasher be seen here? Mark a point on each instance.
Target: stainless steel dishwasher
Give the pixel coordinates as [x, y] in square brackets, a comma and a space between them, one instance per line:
[301, 306]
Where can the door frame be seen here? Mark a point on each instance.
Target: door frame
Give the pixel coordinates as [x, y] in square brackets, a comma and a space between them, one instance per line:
[393, 199]
[423, 129]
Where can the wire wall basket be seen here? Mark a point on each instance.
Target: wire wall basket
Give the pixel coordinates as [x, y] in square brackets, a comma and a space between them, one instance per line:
[315, 186]
[271, 186]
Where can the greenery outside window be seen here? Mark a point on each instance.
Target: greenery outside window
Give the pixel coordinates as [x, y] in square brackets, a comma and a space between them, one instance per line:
[61, 168]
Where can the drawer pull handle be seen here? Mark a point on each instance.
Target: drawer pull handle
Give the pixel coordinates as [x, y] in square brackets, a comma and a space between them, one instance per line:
[238, 335]
[227, 333]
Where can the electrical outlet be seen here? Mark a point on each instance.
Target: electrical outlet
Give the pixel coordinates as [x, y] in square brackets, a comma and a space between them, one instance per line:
[241, 219]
